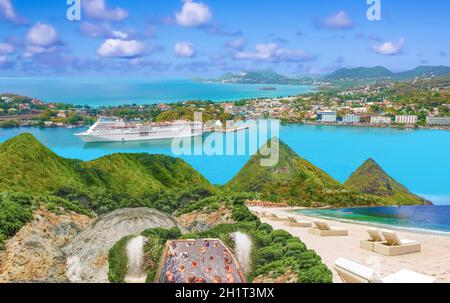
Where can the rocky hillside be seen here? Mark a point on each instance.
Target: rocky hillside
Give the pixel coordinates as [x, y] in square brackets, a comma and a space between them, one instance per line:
[371, 179]
[35, 253]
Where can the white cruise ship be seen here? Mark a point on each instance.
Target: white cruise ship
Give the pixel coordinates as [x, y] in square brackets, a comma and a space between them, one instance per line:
[115, 130]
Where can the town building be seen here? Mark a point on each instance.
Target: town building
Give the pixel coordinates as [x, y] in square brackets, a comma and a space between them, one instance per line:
[327, 116]
[351, 119]
[403, 119]
[62, 114]
[438, 120]
[380, 120]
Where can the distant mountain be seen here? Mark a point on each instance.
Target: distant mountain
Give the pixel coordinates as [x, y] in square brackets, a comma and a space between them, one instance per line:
[294, 181]
[257, 77]
[360, 73]
[371, 179]
[425, 72]
[382, 73]
[30, 167]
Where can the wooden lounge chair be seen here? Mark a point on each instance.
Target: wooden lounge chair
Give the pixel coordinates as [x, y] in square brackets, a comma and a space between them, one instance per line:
[322, 229]
[293, 222]
[351, 272]
[394, 246]
[275, 218]
[376, 236]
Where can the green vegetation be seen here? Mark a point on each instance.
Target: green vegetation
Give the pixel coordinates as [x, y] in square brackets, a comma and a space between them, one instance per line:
[15, 211]
[116, 181]
[371, 179]
[257, 77]
[381, 73]
[295, 181]
[274, 251]
[118, 261]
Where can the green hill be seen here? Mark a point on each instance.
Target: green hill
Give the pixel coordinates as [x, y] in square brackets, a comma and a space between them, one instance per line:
[294, 181]
[371, 179]
[110, 182]
[382, 73]
[29, 166]
[257, 77]
[359, 73]
[425, 71]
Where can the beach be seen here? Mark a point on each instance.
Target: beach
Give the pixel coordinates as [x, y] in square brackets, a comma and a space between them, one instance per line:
[433, 260]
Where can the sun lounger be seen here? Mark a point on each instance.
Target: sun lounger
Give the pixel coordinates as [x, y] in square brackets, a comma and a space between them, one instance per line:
[406, 276]
[351, 272]
[274, 217]
[293, 222]
[375, 237]
[394, 246]
[322, 229]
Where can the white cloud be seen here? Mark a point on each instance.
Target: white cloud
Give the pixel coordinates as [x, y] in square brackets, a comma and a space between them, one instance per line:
[41, 38]
[184, 49]
[98, 9]
[42, 35]
[8, 12]
[193, 14]
[119, 35]
[339, 21]
[272, 52]
[237, 44]
[390, 48]
[6, 48]
[117, 48]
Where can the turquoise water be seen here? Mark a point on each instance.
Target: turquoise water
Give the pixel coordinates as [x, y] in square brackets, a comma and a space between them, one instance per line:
[435, 218]
[118, 91]
[419, 159]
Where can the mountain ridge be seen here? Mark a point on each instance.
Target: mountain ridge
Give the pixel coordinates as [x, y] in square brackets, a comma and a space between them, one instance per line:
[342, 74]
[370, 178]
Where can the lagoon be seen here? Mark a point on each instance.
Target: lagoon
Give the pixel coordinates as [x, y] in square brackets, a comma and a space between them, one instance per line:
[97, 92]
[419, 159]
[419, 218]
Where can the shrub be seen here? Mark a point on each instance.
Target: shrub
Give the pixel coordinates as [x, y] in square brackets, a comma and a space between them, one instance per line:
[118, 261]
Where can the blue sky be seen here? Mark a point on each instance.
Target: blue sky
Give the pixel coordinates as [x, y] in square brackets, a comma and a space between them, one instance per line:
[188, 38]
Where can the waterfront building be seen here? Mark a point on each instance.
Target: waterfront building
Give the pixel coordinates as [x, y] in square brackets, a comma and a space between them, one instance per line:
[438, 121]
[404, 119]
[351, 119]
[380, 120]
[327, 116]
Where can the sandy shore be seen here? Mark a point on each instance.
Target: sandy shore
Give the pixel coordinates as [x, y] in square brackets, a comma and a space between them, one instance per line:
[433, 260]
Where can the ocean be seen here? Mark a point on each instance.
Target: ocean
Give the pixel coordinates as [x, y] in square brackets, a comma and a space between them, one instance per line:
[98, 92]
[421, 218]
[416, 158]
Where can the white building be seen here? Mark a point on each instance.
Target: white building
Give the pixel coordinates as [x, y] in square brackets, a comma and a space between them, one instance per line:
[438, 120]
[350, 119]
[327, 116]
[406, 119]
[380, 120]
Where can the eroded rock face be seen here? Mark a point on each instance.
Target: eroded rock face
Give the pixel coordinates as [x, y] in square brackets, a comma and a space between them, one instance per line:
[199, 221]
[35, 253]
[87, 254]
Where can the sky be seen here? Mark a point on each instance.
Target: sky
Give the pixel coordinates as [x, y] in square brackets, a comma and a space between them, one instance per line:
[206, 38]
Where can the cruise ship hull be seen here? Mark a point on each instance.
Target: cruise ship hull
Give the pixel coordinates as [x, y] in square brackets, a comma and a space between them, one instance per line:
[121, 138]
